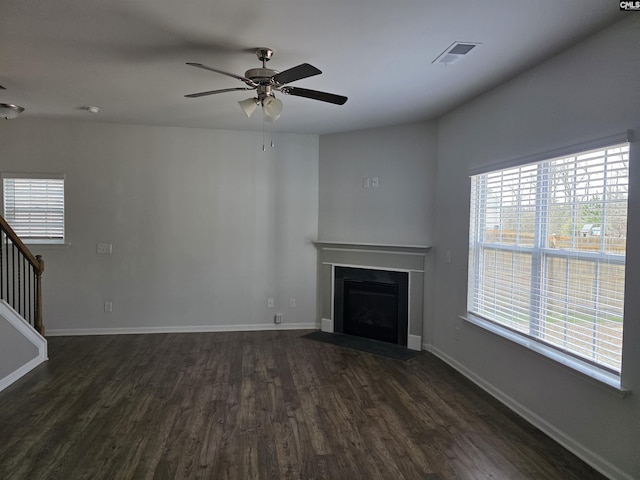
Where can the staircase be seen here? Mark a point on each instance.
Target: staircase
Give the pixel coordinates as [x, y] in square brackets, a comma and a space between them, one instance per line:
[22, 342]
[20, 277]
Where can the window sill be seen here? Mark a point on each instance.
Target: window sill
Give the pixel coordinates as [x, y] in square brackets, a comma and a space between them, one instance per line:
[601, 378]
[47, 246]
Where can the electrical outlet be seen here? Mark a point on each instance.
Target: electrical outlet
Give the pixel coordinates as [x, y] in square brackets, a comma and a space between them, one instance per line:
[292, 303]
[108, 307]
[270, 302]
[277, 318]
[375, 182]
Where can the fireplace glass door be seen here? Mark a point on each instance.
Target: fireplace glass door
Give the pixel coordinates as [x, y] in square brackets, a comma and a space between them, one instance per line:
[372, 304]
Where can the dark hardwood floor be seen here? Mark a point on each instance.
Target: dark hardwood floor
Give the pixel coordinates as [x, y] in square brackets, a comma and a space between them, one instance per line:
[259, 405]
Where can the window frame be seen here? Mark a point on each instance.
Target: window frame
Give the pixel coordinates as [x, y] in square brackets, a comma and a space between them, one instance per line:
[592, 369]
[27, 240]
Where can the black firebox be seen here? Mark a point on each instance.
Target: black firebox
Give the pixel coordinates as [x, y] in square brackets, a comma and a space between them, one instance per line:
[372, 303]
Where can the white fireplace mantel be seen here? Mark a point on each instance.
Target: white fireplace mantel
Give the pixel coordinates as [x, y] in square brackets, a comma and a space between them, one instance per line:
[379, 256]
[373, 247]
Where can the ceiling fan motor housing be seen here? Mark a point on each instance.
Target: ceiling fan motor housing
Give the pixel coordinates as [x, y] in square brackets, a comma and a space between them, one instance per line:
[261, 76]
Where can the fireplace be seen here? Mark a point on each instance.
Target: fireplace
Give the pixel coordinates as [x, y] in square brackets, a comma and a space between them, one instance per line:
[372, 303]
[375, 266]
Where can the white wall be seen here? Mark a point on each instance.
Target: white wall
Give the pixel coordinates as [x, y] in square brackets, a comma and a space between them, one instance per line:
[204, 225]
[401, 210]
[587, 92]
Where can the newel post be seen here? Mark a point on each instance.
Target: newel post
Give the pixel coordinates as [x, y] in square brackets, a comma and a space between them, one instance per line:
[38, 320]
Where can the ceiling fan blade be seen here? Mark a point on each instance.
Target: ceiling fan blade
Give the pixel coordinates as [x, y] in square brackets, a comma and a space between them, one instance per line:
[213, 92]
[303, 70]
[315, 95]
[248, 81]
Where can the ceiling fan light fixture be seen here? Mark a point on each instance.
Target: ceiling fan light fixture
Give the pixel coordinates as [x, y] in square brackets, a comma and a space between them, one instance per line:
[9, 111]
[248, 106]
[272, 108]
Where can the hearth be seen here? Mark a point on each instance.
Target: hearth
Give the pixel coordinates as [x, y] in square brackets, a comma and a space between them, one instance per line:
[372, 303]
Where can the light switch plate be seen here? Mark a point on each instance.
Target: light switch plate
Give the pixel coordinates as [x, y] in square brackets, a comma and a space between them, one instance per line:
[104, 248]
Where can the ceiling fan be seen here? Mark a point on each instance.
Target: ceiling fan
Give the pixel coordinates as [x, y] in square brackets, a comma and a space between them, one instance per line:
[266, 82]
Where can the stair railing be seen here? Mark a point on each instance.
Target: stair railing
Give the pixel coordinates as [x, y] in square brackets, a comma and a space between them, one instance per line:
[20, 277]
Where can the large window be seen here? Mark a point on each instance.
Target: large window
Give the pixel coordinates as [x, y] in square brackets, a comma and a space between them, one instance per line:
[34, 206]
[547, 252]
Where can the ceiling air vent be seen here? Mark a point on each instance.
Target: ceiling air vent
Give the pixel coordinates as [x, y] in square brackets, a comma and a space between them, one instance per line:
[455, 52]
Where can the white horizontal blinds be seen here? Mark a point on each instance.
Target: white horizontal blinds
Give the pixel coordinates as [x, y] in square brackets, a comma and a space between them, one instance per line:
[505, 214]
[34, 207]
[510, 206]
[588, 196]
[547, 251]
[503, 292]
[583, 308]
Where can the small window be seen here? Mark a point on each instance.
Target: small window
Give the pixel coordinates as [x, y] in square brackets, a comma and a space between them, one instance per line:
[34, 206]
[547, 252]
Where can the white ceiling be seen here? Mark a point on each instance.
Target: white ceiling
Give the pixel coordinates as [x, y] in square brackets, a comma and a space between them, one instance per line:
[128, 56]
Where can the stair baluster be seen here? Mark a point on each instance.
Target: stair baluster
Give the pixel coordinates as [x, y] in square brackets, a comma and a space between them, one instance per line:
[20, 277]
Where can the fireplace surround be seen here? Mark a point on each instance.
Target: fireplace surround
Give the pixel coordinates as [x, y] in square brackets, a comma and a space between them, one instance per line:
[383, 261]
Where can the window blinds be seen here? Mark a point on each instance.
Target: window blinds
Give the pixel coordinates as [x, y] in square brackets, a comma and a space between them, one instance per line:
[34, 207]
[547, 251]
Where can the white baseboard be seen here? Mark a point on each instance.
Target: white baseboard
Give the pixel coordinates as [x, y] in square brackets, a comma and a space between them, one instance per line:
[20, 324]
[68, 332]
[21, 372]
[327, 325]
[414, 342]
[596, 461]
[31, 335]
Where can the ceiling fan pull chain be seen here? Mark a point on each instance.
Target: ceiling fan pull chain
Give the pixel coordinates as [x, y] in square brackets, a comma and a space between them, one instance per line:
[271, 134]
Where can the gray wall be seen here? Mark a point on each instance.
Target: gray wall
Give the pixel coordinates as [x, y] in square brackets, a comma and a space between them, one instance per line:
[205, 226]
[15, 349]
[401, 210]
[587, 92]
